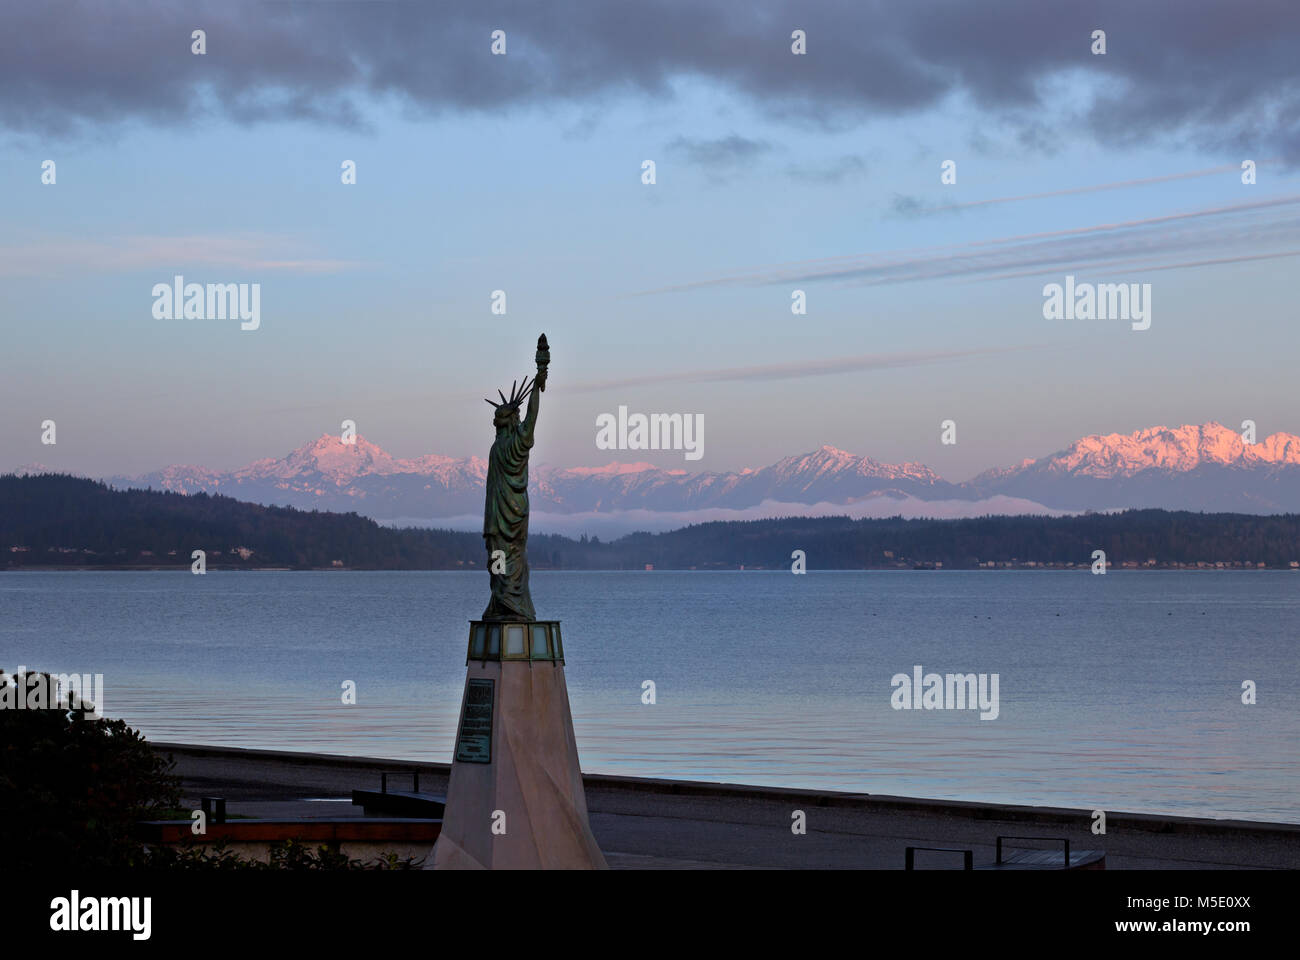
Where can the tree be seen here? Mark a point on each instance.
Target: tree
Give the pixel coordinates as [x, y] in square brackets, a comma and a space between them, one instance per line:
[72, 787]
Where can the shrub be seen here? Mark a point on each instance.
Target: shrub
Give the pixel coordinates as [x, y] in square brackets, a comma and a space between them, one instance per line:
[72, 787]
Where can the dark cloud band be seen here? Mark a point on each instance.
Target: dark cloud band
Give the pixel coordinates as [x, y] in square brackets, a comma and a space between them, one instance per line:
[1219, 74]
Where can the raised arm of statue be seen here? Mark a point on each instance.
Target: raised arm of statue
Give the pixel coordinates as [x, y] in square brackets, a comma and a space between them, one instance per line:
[539, 384]
[530, 418]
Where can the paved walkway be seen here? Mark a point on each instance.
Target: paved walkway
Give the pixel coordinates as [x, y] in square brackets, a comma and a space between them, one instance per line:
[664, 824]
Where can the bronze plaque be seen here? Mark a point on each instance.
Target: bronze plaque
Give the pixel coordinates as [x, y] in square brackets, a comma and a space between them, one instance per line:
[474, 742]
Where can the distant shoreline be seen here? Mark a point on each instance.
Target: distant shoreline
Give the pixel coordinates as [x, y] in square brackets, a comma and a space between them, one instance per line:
[64, 523]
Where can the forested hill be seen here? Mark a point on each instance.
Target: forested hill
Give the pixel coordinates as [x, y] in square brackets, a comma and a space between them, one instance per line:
[54, 520]
[61, 520]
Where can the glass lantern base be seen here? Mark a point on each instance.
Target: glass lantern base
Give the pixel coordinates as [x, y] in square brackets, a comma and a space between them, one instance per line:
[530, 640]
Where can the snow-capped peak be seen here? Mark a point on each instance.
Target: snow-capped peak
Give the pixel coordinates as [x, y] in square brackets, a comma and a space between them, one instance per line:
[827, 460]
[1173, 449]
[333, 460]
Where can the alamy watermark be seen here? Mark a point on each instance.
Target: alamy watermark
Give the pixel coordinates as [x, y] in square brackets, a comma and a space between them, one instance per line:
[1102, 301]
[21, 690]
[179, 300]
[75, 913]
[953, 691]
[657, 431]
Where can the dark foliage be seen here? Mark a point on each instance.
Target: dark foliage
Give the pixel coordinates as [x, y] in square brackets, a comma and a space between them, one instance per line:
[69, 521]
[285, 855]
[838, 543]
[72, 788]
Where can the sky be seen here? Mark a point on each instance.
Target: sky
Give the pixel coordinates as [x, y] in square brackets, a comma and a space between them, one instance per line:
[523, 172]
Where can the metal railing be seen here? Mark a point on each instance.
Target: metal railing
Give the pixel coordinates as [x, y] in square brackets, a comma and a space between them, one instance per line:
[414, 775]
[968, 857]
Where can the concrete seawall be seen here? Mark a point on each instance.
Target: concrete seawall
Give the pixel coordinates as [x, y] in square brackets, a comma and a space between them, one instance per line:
[650, 823]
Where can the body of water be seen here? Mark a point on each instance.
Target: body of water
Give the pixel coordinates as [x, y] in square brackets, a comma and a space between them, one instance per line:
[1116, 692]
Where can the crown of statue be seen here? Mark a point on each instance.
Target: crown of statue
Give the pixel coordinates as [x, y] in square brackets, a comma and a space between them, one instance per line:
[518, 394]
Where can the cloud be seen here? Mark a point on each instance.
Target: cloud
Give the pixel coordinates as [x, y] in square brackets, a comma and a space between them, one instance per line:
[720, 155]
[617, 523]
[1199, 71]
[1145, 266]
[911, 205]
[848, 166]
[1233, 233]
[796, 369]
[244, 251]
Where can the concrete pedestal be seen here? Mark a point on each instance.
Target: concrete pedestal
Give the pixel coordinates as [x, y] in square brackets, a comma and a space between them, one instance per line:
[515, 798]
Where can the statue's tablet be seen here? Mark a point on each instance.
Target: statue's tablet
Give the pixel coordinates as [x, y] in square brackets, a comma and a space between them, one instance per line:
[474, 742]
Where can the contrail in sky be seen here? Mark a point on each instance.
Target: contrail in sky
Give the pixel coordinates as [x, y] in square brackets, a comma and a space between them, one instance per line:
[1117, 185]
[797, 369]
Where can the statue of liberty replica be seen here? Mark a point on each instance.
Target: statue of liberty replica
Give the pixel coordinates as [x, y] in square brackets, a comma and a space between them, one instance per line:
[515, 798]
[505, 512]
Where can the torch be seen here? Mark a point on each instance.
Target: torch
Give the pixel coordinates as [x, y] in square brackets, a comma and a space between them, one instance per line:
[543, 361]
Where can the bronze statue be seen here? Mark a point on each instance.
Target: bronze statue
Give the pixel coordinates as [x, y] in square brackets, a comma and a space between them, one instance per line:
[505, 511]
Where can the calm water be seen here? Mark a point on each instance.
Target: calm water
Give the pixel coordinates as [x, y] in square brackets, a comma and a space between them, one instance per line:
[1120, 692]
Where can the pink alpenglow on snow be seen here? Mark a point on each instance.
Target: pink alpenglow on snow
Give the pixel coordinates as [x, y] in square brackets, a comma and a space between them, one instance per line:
[1205, 467]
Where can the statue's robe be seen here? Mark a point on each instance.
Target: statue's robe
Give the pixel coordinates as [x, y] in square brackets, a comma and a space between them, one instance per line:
[505, 519]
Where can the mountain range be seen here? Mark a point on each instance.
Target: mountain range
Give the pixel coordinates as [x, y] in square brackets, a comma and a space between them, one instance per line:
[1207, 467]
